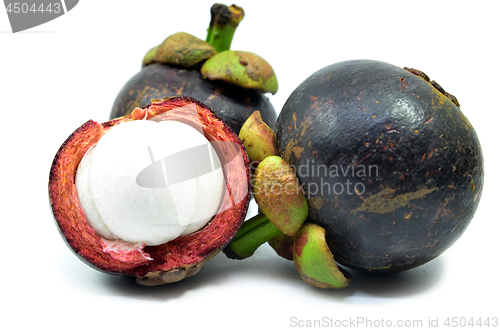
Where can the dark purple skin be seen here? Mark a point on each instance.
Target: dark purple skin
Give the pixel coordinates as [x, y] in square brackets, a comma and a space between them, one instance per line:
[231, 103]
[426, 163]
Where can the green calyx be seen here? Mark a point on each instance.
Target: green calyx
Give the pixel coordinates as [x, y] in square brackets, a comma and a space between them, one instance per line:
[283, 245]
[244, 69]
[278, 193]
[149, 57]
[252, 234]
[314, 260]
[180, 49]
[284, 208]
[258, 138]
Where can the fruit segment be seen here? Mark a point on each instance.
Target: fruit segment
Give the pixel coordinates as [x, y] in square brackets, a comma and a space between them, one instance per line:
[126, 194]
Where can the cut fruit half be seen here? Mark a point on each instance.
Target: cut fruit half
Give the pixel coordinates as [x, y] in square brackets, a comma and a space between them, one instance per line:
[105, 209]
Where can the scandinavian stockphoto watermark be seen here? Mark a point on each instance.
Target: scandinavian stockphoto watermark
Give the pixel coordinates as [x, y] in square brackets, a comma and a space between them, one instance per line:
[334, 179]
[171, 169]
[26, 14]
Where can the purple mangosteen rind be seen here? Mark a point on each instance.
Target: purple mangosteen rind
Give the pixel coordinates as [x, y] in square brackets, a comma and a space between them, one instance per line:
[231, 103]
[391, 168]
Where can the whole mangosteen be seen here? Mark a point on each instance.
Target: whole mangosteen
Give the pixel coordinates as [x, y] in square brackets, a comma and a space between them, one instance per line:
[232, 83]
[390, 166]
[370, 165]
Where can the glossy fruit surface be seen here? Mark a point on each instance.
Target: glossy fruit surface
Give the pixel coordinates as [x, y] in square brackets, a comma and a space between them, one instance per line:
[391, 168]
[231, 103]
[176, 259]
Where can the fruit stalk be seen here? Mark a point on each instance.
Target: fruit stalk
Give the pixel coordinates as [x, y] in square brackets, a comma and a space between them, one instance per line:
[252, 234]
[275, 188]
[223, 24]
[283, 211]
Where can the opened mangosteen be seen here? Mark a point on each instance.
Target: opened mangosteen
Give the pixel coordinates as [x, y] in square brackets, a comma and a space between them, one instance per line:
[153, 194]
[390, 168]
[232, 83]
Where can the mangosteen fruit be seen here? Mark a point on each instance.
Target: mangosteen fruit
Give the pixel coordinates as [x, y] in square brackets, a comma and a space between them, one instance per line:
[390, 166]
[232, 83]
[153, 194]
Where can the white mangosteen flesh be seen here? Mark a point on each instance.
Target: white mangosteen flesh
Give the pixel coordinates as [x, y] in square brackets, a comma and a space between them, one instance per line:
[150, 182]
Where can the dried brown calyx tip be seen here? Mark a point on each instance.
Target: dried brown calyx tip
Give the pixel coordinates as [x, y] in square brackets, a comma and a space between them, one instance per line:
[223, 24]
[438, 87]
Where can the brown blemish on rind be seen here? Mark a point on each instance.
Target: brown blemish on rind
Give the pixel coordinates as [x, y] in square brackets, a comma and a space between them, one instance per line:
[289, 149]
[404, 83]
[298, 151]
[316, 202]
[385, 201]
[292, 147]
[140, 95]
[184, 50]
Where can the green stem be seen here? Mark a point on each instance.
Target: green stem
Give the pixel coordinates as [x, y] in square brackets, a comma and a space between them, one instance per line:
[253, 233]
[223, 24]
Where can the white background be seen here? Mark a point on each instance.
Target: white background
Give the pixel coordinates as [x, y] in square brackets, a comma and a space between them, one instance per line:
[56, 76]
